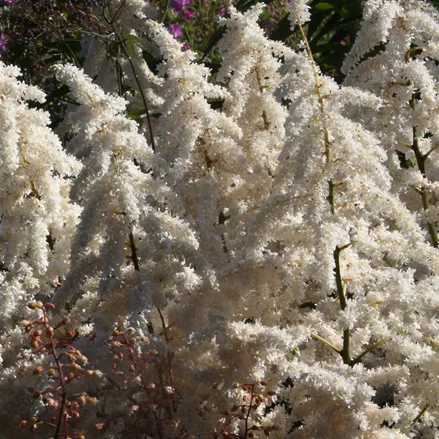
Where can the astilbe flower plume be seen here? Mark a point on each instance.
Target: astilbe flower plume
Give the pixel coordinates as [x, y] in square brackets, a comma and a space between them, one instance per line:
[253, 260]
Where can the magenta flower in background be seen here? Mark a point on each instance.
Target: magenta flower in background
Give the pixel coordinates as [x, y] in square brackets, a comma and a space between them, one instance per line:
[189, 14]
[3, 42]
[176, 30]
[221, 12]
[179, 6]
[10, 2]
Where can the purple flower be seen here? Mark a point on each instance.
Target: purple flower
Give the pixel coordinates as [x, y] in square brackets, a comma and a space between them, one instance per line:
[10, 2]
[3, 42]
[176, 30]
[221, 12]
[179, 6]
[189, 14]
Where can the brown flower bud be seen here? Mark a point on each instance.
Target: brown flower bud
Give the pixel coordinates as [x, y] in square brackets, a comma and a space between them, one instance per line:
[70, 333]
[50, 402]
[38, 370]
[35, 305]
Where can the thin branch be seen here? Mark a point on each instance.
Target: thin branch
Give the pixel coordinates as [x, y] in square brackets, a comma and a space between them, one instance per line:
[318, 87]
[421, 413]
[338, 279]
[247, 416]
[165, 11]
[169, 359]
[432, 149]
[357, 359]
[342, 298]
[134, 256]
[421, 159]
[327, 343]
[111, 21]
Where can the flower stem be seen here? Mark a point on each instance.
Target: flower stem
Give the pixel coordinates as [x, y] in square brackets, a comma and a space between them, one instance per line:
[342, 298]
[111, 21]
[318, 86]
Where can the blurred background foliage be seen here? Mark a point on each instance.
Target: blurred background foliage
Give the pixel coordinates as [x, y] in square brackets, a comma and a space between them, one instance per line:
[34, 34]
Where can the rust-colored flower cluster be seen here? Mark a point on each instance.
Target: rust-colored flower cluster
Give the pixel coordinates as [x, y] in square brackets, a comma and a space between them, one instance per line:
[60, 364]
[255, 397]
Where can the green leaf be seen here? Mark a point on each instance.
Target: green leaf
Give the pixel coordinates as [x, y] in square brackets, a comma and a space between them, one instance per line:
[282, 30]
[323, 6]
[113, 50]
[131, 39]
[151, 61]
[214, 39]
[136, 114]
[403, 161]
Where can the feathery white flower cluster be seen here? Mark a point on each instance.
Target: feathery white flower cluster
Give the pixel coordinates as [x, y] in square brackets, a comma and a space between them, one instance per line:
[279, 252]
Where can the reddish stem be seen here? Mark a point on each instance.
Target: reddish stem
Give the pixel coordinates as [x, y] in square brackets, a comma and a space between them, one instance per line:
[59, 366]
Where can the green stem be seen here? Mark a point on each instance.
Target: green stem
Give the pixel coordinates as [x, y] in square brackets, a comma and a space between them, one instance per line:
[345, 353]
[420, 160]
[346, 349]
[331, 196]
[421, 413]
[165, 11]
[327, 343]
[357, 359]
[327, 142]
[134, 257]
[111, 21]
[338, 279]
[49, 237]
